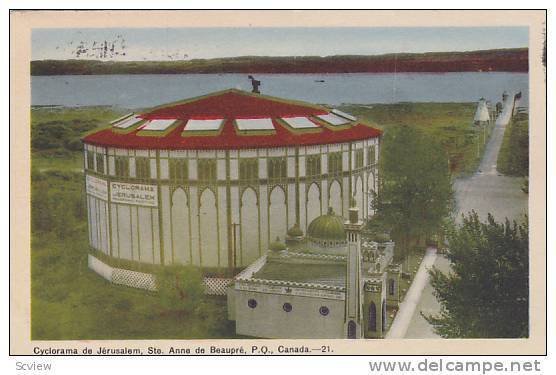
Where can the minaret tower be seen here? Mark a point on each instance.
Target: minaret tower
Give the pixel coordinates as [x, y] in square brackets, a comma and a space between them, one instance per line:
[353, 313]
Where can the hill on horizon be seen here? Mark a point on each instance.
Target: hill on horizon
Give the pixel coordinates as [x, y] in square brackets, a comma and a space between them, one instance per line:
[498, 60]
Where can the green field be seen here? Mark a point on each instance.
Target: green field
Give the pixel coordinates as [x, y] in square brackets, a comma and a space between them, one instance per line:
[451, 124]
[513, 159]
[71, 302]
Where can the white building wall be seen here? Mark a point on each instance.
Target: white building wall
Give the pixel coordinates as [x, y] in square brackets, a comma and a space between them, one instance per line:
[223, 231]
[124, 231]
[179, 227]
[135, 234]
[304, 321]
[221, 169]
[156, 236]
[192, 169]
[103, 224]
[291, 166]
[145, 234]
[114, 230]
[154, 172]
[164, 172]
[291, 205]
[324, 196]
[302, 207]
[166, 223]
[194, 222]
[209, 229]
[111, 165]
[93, 223]
[132, 239]
[132, 167]
[264, 218]
[346, 196]
[234, 169]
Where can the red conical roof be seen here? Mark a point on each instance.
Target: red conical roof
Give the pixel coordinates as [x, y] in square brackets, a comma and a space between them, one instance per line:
[231, 105]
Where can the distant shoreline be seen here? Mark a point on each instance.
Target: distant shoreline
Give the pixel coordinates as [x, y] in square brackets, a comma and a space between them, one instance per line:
[500, 60]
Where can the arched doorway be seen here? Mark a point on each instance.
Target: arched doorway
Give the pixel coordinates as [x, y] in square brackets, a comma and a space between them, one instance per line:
[277, 214]
[208, 219]
[313, 203]
[335, 197]
[180, 229]
[250, 248]
[351, 330]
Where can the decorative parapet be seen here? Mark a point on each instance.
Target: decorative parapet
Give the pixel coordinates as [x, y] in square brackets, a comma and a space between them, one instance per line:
[252, 269]
[291, 288]
[307, 257]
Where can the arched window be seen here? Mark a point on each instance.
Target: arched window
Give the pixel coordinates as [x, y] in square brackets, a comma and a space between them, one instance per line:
[391, 285]
[372, 317]
[351, 330]
[384, 322]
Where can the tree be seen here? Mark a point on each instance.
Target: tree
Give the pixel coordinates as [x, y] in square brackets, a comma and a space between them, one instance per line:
[415, 194]
[486, 294]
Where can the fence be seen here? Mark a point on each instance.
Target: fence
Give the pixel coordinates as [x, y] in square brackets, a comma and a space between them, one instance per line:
[214, 286]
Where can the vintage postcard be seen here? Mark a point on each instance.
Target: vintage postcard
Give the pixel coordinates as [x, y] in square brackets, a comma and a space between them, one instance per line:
[339, 182]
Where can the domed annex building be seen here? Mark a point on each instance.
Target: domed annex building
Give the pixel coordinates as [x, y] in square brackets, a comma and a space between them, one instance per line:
[212, 181]
[335, 283]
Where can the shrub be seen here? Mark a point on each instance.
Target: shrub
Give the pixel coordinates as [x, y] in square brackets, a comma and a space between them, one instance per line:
[180, 289]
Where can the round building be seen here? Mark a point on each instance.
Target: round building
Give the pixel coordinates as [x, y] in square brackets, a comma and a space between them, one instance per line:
[212, 181]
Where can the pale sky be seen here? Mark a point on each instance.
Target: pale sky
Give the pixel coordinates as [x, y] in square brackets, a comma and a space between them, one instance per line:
[192, 43]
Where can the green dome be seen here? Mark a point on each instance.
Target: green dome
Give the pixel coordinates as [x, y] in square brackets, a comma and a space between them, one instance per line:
[277, 245]
[295, 231]
[327, 227]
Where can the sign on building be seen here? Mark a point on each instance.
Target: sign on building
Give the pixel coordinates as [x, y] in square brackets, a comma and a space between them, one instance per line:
[137, 194]
[97, 187]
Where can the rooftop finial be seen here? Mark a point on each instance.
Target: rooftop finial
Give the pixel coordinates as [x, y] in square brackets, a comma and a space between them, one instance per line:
[255, 83]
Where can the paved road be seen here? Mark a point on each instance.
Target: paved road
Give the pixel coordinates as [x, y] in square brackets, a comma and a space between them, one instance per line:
[412, 298]
[484, 192]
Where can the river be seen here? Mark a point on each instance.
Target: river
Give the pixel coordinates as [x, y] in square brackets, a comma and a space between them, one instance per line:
[141, 91]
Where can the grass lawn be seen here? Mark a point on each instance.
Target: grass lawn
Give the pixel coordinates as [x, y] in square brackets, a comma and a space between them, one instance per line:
[449, 123]
[513, 158]
[71, 302]
[56, 133]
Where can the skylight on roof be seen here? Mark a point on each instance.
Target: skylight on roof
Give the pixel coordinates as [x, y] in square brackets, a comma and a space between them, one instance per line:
[158, 125]
[344, 115]
[255, 124]
[299, 122]
[203, 125]
[121, 118]
[128, 122]
[333, 119]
